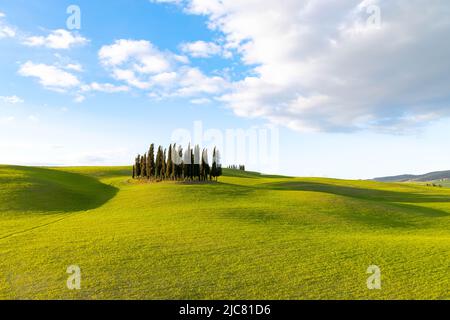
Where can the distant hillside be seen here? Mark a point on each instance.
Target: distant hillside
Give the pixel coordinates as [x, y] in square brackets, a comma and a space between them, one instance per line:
[432, 176]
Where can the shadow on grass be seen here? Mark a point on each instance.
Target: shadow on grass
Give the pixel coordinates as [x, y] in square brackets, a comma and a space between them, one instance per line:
[404, 200]
[44, 190]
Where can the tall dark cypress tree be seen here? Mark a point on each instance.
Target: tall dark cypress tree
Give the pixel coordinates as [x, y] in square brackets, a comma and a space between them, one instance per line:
[138, 166]
[134, 171]
[192, 166]
[219, 164]
[164, 164]
[197, 162]
[142, 166]
[186, 163]
[169, 167]
[151, 161]
[148, 166]
[180, 165]
[157, 164]
[214, 165]
[205, 169]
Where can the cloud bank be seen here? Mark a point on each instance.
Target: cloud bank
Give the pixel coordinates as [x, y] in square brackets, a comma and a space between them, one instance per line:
[329, 66]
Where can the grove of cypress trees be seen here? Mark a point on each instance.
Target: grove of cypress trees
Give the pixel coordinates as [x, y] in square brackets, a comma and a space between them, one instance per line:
[174, 164]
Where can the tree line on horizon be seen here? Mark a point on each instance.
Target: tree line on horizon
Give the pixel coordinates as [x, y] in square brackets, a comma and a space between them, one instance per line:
[177, 165]
[240, 167]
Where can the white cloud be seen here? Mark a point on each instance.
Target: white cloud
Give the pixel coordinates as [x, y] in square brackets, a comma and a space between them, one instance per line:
[318, 65]
[33, 118]
[49, 76]
[129, 76]
[6, 31]
[167, 1]
[11, 99]
[104, 87]
[135, 61]
[201, 49]
[57, 39]
[74, 67]
[7, 120]
[200, 101]
[79, 98]
[141, 65]
[164, 78]
[144, 56]
[193, 82]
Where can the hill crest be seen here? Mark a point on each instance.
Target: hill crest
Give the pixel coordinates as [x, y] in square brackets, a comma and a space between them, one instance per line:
[431, 176]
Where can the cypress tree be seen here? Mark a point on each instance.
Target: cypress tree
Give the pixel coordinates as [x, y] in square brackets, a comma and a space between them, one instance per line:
[187, 163]
[180, 165]
[169, 167]
[205, 170]
[158, 163]
[138, 166]
[219, 164]
[148, 166]
[214, 165]
[134, 171]
[142, 166]
[151, 161]
[163, 170]
[196, 162]
[192, 166]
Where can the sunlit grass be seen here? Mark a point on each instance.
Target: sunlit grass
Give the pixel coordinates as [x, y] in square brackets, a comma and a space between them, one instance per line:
[247, 237]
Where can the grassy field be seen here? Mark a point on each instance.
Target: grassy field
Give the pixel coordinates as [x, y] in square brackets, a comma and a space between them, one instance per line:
[247, 237]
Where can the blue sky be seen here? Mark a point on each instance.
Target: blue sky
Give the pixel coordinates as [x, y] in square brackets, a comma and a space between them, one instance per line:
[353, 92]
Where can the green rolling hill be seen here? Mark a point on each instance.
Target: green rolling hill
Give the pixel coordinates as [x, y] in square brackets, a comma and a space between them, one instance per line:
[249, 236]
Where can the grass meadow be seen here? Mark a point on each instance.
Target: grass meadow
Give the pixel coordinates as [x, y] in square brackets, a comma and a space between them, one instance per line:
[249, 236]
